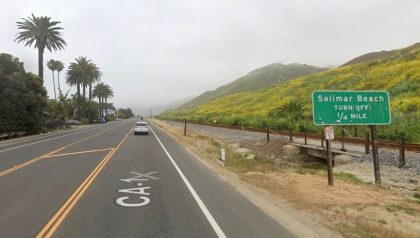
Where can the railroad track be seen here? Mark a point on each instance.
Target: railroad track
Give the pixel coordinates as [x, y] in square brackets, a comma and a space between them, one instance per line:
[352, 140]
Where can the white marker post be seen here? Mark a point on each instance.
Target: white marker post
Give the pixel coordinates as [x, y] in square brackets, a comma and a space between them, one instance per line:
[223, 155]
[329, 135]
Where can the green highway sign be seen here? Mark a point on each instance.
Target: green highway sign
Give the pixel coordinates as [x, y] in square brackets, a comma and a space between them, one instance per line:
[351, 108]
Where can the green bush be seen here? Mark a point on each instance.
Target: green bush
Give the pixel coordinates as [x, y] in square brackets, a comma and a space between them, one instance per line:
[22, 97]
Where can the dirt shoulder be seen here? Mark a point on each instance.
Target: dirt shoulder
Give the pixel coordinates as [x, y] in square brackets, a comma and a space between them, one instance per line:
[294, 191]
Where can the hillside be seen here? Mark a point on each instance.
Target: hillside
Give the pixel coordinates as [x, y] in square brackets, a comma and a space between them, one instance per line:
[259, 78]
[398, 73]
[383, 55]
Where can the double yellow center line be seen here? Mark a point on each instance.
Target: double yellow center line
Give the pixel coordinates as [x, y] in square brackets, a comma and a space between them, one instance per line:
[79, 152]
[49, 154]
[49, 229]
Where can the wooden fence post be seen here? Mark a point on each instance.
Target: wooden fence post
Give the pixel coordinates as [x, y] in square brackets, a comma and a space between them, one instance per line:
[342, 139]
[402, 150]
[185, 128]
[268, 135]
[290, 134]
[367, 143]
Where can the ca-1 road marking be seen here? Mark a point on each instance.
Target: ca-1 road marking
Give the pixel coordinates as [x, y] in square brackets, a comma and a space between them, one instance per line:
[140, 190]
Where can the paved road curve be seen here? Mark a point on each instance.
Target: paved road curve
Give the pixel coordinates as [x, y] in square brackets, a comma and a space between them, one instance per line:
[103, 181]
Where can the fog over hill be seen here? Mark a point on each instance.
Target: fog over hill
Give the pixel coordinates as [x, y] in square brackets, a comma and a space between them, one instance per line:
[256, 79]
[396, 71]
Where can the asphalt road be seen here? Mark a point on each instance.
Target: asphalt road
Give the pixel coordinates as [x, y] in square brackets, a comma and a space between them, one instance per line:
[103, 181]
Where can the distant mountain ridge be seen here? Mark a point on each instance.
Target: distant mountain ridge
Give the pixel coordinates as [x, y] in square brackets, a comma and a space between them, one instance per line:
[384, 55]
[396, 71]
[263, 77]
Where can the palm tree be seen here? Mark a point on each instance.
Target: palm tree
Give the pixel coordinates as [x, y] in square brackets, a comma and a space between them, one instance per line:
[292, 112]
[76, 76]
[103, 91]
[59, 66]
[52, 66]
[94, 77]
[43, 33]
[109, 93]
[99, 91]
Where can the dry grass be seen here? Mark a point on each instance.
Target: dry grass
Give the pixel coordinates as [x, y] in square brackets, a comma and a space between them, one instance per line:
[360, 227]
[353, 207]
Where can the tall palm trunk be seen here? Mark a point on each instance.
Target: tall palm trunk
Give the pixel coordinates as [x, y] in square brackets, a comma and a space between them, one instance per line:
[55, 94]
[58, 81]
[84, 91]
[90, 92]
[102, 107]
[84, 100]
[99, 99]
[79, 108]
[106, 107]
[90, 99]
[41, 62]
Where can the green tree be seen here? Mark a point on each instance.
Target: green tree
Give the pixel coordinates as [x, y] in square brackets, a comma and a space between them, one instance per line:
[60, 108]
[76, 76]
[103, 91]
[22, 97]
[59, 66]
[94, 76]
[53, 67]
[42, 33]
[109, 93]
[82, 74]
[125, 113]
[99, 91]
[292, 111]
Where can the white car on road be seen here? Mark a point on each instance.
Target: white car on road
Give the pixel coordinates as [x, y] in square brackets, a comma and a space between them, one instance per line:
[141, 128]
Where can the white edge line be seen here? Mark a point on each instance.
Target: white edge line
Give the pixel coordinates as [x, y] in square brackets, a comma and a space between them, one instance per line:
[200, 203]
[36, 142]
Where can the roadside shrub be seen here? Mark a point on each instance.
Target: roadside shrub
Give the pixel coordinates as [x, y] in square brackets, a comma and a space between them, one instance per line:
[54, 123]
[22, 97]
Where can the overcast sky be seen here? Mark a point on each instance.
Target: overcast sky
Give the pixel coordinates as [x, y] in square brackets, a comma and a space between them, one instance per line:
[156, 52]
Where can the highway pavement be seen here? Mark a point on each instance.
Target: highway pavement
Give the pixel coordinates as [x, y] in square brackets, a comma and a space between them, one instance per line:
[103, 181]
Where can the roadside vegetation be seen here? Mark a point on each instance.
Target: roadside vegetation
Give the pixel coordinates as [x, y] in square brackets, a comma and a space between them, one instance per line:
[22, 97]
[397, 72]
[352, 207]
[24, 103]
[125, 113]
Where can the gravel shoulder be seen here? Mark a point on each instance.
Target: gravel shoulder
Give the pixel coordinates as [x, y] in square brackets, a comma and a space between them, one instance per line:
[353, 207]
[407, 176]
[300, 223]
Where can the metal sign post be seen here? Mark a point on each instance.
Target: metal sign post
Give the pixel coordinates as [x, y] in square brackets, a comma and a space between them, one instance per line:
[329, 135]
[375, 154]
